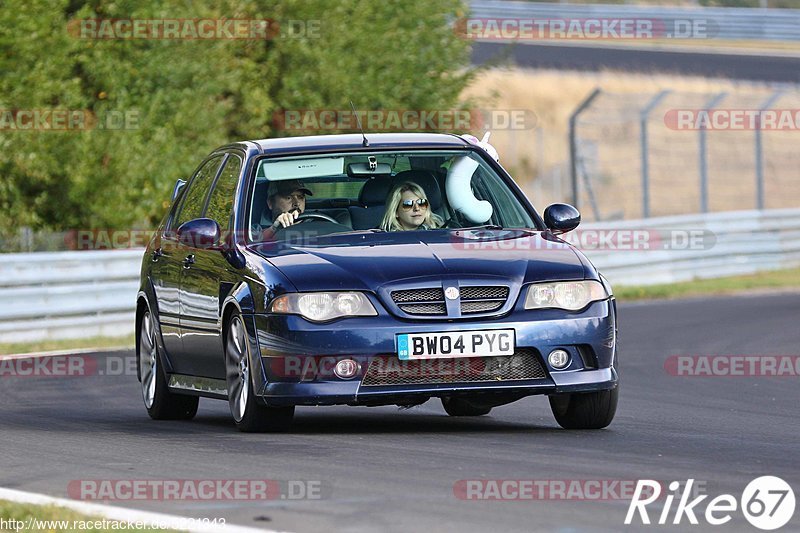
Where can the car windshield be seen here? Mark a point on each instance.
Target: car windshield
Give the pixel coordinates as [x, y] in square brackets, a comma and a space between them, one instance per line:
[417, 190]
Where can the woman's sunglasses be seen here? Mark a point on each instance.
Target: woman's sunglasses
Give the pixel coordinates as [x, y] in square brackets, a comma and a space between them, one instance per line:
[409, 204]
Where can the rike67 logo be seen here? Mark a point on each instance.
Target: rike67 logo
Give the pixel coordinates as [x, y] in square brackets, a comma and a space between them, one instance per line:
[767, 503]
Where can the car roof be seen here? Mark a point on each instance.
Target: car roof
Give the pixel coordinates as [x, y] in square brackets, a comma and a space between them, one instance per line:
[377, 141]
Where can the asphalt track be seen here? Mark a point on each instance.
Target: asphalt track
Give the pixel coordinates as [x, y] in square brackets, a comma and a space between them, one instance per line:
[776, 69]
[391, 470]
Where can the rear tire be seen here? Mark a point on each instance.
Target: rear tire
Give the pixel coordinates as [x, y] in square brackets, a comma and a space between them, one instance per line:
[249, 415]
[587, 410]
[161, 404]
[464, 407]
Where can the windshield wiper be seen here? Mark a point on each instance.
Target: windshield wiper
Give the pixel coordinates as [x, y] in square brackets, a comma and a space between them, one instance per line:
[485, 226]
[368, 230]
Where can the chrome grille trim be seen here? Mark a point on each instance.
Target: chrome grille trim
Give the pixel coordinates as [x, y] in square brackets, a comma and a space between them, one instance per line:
[431, 301]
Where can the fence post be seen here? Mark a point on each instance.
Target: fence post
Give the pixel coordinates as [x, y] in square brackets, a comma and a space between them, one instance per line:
[573, 142]
[759, 147]
[712, 103]
[644, 115]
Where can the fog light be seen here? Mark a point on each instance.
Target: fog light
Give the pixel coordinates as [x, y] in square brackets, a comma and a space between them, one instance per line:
[558, 359]
[346, 369]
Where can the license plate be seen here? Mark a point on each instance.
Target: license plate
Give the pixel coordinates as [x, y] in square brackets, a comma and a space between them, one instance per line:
[481, 343]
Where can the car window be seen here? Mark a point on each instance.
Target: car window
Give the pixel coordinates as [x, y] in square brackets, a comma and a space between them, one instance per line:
[195, 196]
[460, 189]
[220, 203]
[508, 212]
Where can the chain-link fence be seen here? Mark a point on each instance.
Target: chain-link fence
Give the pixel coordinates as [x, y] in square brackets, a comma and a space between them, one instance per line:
[667, 153]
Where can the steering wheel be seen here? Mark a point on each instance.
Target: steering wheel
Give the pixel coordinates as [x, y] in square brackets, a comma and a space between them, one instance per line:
[310, 216]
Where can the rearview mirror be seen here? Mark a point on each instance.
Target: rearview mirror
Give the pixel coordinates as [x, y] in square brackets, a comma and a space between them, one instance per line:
[202, 233]
[368, 170]
[561, 218]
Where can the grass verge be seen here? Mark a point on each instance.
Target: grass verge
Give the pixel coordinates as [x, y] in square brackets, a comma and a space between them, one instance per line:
[18, 517]
[776, 279]
[67, 344]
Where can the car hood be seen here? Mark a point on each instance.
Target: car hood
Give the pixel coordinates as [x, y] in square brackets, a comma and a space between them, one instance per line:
[369, 261]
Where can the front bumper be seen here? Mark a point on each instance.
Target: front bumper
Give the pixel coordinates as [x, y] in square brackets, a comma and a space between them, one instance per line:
[297, 357]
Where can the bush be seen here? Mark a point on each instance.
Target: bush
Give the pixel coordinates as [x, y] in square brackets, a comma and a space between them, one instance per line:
[183, 98]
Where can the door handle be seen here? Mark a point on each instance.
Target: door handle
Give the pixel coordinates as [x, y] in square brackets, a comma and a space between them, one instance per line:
[189, 261]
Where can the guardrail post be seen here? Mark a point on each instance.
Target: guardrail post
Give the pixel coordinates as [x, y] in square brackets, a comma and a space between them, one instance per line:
[573, 142]
[759, 147]
[644, 115]
[712, 103]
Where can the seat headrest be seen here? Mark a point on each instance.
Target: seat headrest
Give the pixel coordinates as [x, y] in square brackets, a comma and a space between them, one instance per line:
[374, 192]
[424, 179]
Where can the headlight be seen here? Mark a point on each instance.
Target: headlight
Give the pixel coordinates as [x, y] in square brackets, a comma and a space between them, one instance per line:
[323, 306]
[569, 295]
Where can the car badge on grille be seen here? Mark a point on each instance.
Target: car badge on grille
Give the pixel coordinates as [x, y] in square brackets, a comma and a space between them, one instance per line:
[451, 293]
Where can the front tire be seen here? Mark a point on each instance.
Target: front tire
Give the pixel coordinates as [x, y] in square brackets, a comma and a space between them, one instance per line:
[464, 407]
[161, 404]
[587, 410]
[249, 415]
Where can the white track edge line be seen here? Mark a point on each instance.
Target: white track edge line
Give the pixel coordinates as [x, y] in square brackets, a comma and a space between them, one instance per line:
[123, 514]
[77, 351]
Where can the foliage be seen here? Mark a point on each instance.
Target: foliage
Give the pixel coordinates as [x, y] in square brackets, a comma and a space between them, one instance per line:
[185, 97]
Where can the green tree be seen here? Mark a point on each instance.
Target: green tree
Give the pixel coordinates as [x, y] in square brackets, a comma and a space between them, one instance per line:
[185, 97]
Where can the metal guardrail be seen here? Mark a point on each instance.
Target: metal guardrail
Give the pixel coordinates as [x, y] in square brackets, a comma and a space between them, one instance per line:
[723, 23]
[58, 295]
[62, 295]
[744, 242]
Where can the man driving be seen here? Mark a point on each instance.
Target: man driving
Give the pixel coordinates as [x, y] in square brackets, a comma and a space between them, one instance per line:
[287, 201]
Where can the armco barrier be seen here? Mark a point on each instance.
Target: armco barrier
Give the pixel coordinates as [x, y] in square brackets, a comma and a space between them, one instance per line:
[726, 23]
[62, 295]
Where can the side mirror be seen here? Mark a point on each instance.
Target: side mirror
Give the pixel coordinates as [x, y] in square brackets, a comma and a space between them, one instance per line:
[561, 218]
[179, 185]
[202, 233]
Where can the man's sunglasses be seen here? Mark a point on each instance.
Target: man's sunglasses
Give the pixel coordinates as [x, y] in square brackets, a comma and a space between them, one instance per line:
[409, 204]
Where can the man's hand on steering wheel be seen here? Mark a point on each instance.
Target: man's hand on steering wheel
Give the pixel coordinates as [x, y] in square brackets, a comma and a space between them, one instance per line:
[290, 218]
[284, 220]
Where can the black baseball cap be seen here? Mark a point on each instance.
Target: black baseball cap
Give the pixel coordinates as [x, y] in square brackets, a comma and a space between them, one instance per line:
[286, 187]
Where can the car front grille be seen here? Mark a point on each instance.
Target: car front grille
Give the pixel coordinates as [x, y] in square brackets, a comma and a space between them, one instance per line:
[482, 299]
[421, 301]
[434, 308]
[386, 370]
[430, 301]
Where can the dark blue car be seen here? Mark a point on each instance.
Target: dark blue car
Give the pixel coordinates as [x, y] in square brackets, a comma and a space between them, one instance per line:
[411, 267]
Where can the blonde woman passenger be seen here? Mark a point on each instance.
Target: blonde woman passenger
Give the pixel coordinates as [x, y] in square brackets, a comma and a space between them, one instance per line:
[408, 208]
